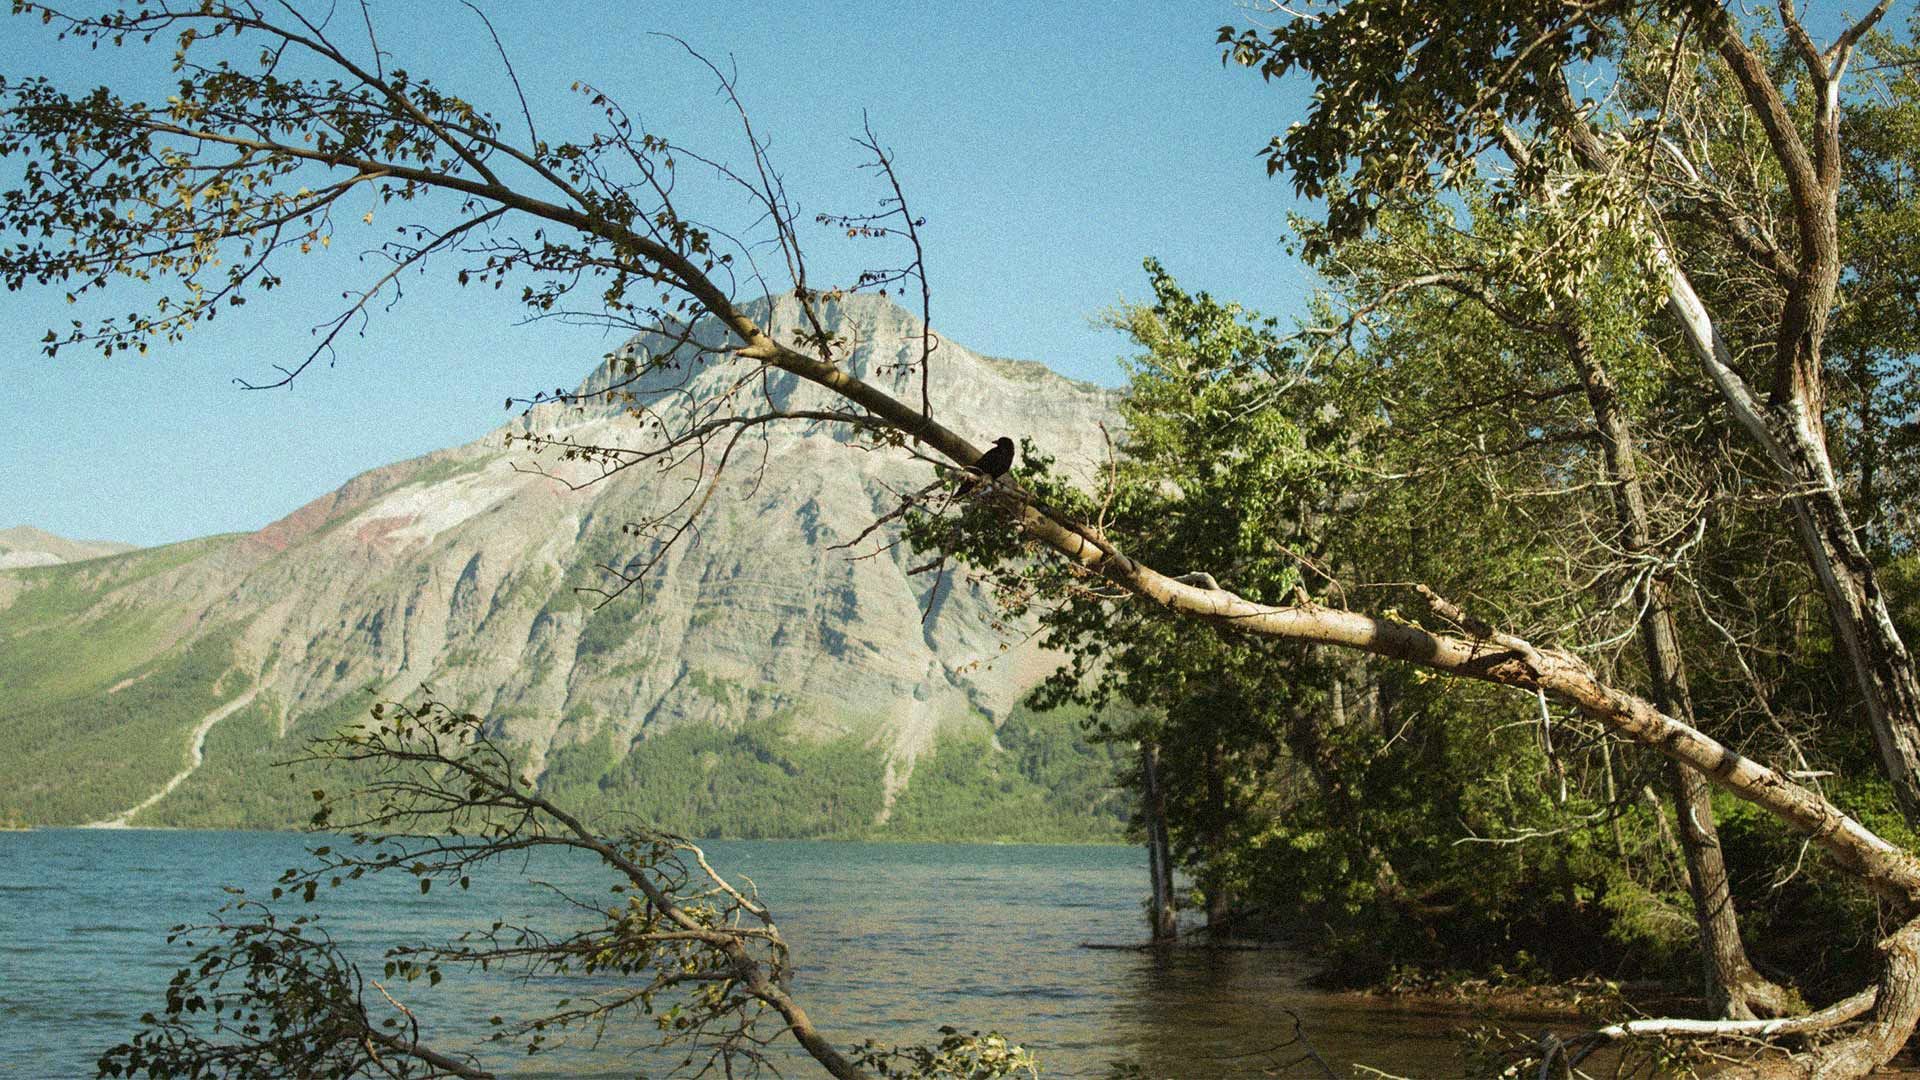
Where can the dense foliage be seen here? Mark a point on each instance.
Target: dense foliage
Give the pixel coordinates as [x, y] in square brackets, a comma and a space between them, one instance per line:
[1443, 418]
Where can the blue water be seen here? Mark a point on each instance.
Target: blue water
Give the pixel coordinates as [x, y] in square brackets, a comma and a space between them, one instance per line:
[891, 941]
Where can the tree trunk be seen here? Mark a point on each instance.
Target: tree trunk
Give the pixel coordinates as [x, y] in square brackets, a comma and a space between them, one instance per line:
[1734, 988]
[1219, 894]
[1380, 702]
[1872, 436]
[1613, 800]
[1882, 668]
[1160, 915]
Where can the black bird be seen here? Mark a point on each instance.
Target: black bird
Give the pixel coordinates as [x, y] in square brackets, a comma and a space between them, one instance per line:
[998, 458]
[992, 465]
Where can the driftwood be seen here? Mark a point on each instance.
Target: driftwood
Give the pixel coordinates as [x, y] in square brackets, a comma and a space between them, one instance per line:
[1206, 946]
[1890, 1009]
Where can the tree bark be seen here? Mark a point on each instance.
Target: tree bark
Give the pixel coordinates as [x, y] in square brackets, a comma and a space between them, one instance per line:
[1613, 800]
[1734, 988]
[1379, 702]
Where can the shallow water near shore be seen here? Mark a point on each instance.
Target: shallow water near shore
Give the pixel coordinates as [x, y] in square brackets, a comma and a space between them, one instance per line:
[891, 941]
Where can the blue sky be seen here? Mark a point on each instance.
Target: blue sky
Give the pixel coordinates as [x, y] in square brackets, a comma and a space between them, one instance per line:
[1051, 147]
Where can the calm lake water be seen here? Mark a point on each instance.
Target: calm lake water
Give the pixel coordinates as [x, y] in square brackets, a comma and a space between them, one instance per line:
[892, 940]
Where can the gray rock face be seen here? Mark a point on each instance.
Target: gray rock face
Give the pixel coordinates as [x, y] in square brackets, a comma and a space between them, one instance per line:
[462, 569]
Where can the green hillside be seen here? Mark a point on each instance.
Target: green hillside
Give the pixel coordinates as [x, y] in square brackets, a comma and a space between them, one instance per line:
[83, 681]
[1045, 783]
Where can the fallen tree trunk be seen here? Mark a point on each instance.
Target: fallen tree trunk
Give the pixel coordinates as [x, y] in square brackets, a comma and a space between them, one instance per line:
[1482, 653]
[1479, 653]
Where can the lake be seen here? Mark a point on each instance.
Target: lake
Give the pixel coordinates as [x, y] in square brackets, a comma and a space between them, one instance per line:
[891, 941]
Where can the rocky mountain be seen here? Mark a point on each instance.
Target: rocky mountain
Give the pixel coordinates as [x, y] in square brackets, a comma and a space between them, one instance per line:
[24, 545]
[755, 646]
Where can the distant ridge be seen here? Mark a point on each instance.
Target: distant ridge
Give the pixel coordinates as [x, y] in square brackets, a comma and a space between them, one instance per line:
[24, 545]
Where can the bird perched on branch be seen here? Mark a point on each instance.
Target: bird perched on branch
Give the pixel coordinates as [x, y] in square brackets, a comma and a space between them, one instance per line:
[992, 465]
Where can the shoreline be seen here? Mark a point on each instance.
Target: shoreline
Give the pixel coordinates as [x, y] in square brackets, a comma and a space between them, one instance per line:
[887, 840]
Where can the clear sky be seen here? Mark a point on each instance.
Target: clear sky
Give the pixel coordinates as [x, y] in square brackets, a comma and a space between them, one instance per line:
[1051, 147]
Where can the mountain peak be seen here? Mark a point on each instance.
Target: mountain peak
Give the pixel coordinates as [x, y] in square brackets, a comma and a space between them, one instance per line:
[481, 570]
[875, 339]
